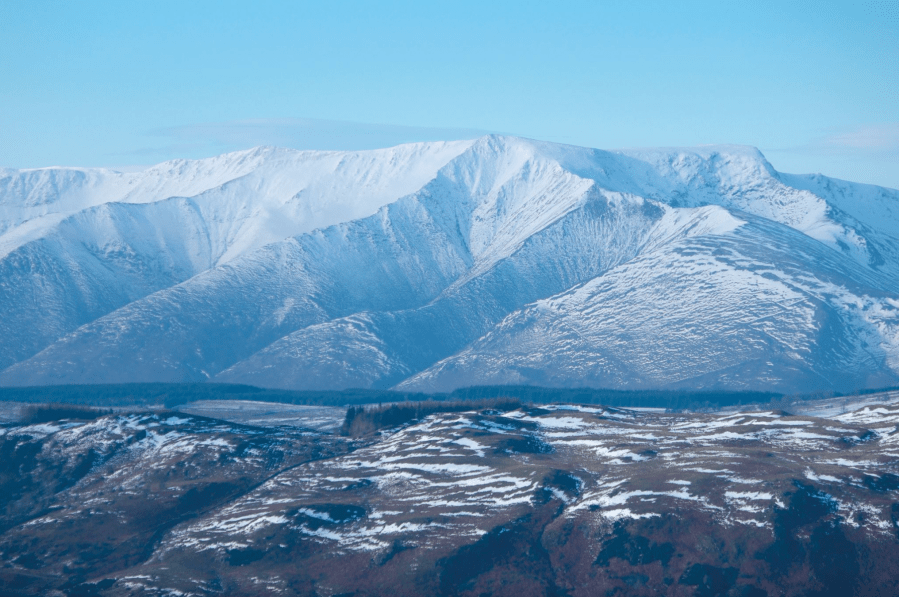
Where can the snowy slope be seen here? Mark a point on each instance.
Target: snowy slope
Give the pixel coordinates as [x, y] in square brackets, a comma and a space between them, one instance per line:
[601, 232]
[310, 188]
[708, 311]
[507, 260]
[199, 327]
[79, 244]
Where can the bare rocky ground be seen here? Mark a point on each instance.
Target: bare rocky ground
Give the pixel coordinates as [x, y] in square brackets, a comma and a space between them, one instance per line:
[554, 500]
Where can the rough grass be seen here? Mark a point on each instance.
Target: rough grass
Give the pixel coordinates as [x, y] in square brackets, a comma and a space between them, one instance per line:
[45, 413]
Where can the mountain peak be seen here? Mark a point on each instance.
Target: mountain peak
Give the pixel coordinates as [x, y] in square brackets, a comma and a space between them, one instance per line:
[493, 260]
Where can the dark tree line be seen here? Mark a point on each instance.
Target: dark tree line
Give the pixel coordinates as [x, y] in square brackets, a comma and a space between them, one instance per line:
[170, 395]
[361, 420]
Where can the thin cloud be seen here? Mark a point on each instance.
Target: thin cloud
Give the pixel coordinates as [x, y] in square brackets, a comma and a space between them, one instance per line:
[297, 133]
[862, 140]
[874, 137]
[868, 153]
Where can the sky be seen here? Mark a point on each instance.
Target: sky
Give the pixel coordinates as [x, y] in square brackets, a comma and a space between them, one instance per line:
[814, 85]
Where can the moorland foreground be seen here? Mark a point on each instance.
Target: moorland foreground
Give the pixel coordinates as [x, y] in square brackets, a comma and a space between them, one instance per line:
[502, 499]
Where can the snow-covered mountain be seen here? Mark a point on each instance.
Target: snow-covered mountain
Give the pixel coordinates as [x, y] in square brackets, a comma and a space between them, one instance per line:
[77, 244]
[434, 266]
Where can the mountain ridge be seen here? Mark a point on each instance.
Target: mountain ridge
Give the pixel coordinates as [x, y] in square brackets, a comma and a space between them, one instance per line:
[504, 225]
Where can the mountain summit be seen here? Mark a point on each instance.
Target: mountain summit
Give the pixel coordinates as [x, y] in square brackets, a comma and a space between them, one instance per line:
[438, 265]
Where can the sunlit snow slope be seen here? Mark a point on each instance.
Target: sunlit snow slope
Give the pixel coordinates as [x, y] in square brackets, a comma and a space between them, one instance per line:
[435, 266]
[76, 244]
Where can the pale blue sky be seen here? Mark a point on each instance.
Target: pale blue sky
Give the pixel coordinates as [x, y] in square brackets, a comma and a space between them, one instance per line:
[814, 85]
